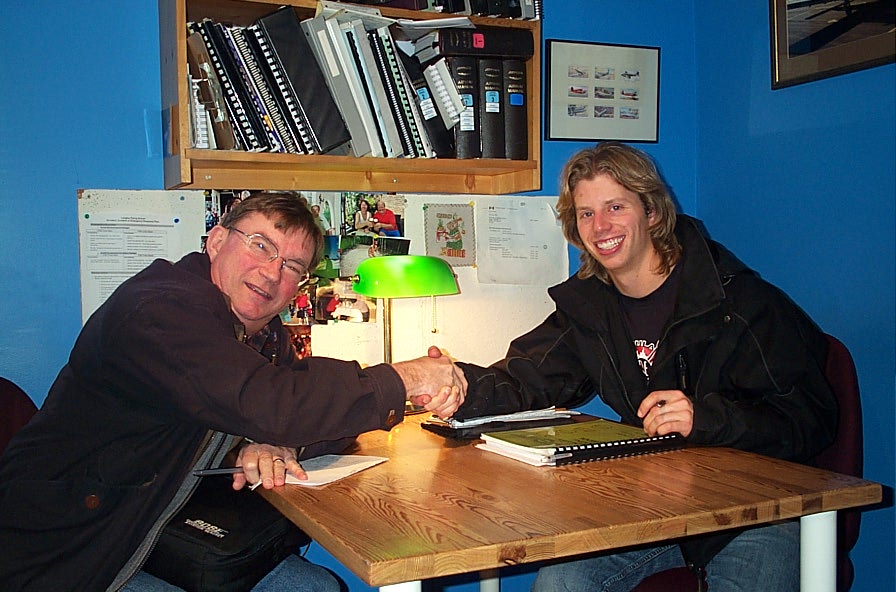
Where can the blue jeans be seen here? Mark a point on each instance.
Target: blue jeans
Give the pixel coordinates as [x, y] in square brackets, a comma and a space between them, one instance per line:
[293, 574]
[758, 560]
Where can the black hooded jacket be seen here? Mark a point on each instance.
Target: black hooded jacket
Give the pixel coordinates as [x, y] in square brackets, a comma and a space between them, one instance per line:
[754, 360]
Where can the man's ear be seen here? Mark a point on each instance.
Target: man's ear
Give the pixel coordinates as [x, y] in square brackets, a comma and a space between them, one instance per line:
[215, 239]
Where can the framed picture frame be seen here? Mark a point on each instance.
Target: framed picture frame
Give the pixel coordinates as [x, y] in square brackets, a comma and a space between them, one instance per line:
[818, 39]
[601, 91]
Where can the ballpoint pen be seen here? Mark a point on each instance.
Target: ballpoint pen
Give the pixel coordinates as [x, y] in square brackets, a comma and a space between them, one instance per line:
[221, 471]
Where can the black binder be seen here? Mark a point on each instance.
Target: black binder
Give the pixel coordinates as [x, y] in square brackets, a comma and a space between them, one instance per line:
[491, 107]
[440, 137]
[280, 138]
[240, 106]
[483, 42]
[516, 127]
[465, 72]
[301, 73]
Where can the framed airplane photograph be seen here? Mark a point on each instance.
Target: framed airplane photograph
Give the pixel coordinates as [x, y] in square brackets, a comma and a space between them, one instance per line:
[600, 91]
[820, 39]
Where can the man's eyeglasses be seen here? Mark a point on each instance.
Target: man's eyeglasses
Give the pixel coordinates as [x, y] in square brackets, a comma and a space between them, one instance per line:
[264, 251]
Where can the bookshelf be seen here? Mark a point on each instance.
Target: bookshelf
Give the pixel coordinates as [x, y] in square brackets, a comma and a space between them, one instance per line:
[187, 167]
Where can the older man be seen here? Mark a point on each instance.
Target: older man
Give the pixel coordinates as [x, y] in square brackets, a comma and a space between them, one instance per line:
[180, 357]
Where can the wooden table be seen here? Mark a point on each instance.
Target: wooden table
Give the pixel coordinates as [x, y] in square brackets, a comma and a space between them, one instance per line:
[441, 507]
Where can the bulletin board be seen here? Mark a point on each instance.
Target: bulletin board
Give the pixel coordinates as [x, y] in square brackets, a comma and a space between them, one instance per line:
[122, 231]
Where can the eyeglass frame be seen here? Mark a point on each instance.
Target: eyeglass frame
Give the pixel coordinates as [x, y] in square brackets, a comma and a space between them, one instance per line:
[286, 263]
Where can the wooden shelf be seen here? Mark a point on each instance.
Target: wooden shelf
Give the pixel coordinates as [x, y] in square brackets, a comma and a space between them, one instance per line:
[187, 167]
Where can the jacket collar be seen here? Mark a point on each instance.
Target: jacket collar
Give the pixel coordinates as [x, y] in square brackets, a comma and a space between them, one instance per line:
[704, 262]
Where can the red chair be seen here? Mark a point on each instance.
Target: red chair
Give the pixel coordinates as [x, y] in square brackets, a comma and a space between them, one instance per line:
[845, 456]
[16, 409]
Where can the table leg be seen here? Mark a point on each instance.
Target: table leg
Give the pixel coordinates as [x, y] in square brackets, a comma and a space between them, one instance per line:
[405, 587]
[489, 581]
[818, 552]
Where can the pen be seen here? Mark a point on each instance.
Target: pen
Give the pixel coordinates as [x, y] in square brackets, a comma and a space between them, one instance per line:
[222, 471]
[682, 373]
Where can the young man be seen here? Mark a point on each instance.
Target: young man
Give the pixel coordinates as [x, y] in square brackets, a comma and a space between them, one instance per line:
[676, 335]
[179, 358]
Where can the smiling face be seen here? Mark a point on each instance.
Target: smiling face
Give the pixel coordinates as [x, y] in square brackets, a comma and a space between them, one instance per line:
[258, 290]
[614, 228]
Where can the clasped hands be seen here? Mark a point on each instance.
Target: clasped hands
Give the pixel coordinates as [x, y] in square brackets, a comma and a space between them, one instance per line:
[432, 382]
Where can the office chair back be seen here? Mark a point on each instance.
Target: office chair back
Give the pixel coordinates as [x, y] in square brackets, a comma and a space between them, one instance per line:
[843, 456]
[16, 409]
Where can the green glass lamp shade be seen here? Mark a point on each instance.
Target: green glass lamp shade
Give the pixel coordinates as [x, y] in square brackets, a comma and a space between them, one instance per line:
[404, 276]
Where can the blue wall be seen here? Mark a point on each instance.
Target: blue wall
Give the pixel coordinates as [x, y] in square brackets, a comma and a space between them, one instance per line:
[799, 182]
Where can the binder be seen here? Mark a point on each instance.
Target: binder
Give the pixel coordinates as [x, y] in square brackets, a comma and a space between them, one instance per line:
[491, 112]
[375, 90]
[210, 92]
[385, 53]
[330, 53]
[482, 42]
[398, 113]
[248, 124]
[444, 91]
[527, 10]
[497, 8]
[516, 127]
[465, 73]
[293, 117]
[440, 137]
[279, 135]
[577, 442]
[304, 83]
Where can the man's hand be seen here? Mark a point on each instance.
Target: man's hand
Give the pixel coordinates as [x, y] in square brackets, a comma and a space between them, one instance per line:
[433, 382]
[266, 463]
[665, 412]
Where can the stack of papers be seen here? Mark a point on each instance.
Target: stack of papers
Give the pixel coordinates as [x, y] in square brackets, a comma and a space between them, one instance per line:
[332, 467]
[472, 428]
[549, 413]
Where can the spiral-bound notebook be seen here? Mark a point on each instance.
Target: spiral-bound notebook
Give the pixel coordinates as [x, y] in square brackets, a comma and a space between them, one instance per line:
[577, 443]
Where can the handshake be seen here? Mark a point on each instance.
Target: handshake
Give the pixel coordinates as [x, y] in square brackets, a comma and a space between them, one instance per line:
[433, 382]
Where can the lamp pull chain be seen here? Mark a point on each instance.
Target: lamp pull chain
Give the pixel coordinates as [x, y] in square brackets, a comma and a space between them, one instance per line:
[434, 328]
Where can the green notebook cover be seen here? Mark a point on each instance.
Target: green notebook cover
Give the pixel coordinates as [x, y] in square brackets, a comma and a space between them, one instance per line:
[578, 442]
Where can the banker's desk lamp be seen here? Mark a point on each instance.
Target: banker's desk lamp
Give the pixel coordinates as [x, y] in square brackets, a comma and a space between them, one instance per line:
[402, 276]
